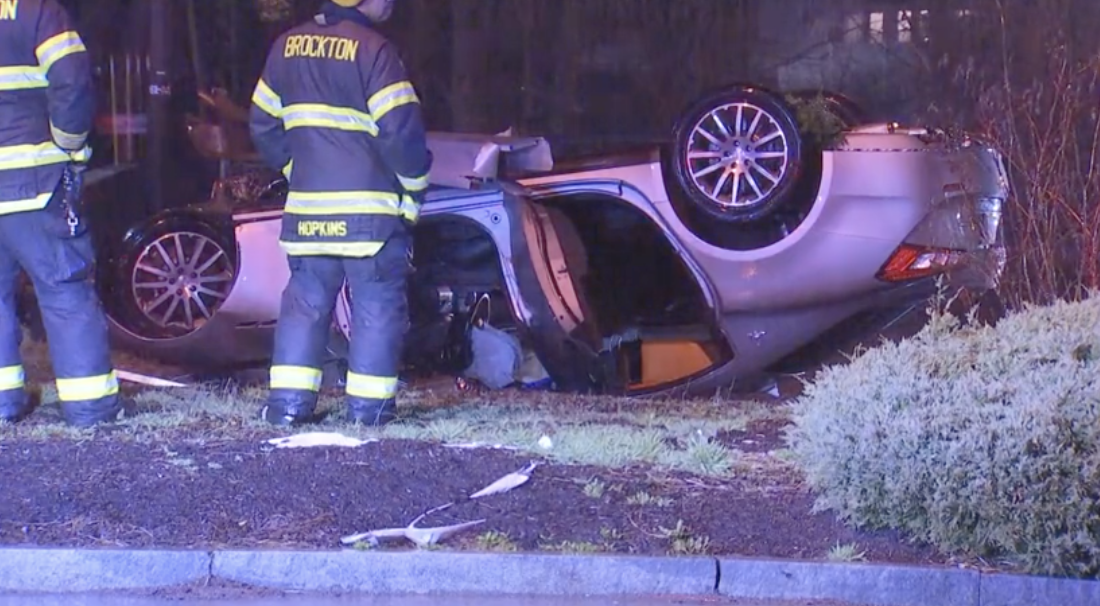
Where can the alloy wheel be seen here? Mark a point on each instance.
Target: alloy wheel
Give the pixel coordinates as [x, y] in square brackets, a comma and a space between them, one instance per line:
[180, 279]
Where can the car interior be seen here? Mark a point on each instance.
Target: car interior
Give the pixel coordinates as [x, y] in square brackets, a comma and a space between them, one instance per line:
[643, 310]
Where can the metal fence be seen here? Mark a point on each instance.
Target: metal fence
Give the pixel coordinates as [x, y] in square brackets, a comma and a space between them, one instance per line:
[123, 97]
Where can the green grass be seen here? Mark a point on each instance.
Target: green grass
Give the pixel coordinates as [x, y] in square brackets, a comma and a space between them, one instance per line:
[644, 498]
[606, 432]
[574, 547]
[846, 553]
[495, 541]
[683, 542]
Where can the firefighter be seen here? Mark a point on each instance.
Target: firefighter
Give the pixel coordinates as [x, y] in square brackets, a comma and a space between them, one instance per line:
[46, 113]
[335, 111]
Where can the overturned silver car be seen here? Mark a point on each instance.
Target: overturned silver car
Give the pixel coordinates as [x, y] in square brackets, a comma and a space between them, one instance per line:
[676, 268]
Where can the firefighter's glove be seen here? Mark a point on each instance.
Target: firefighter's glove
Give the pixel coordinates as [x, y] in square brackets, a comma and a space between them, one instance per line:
[411, 201]
[79, 158]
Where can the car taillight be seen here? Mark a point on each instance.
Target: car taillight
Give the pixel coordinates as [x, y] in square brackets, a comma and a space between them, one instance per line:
[990, 209]
[910, 262]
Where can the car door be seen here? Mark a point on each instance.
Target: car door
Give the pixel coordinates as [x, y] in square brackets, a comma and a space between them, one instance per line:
[538, 268]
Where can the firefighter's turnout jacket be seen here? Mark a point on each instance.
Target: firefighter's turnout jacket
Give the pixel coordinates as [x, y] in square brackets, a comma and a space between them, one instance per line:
[48, 101]
[334, 109]
[47, 107]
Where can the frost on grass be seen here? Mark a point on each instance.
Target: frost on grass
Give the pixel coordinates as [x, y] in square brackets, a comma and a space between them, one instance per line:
[982, 440]
[606, 432]
[169, 408]
[192, 412]
[602, 431]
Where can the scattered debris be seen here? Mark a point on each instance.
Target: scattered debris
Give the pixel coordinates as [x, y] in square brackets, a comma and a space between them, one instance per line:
[317, 438]
[771, 388]
[532, 375]
[497, 356]
[431, 536]
[468, 386]
[472, 445]
[134, 377]
[508, 482]
[421, 536]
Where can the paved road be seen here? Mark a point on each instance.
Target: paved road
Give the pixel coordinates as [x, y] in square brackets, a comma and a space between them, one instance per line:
[116, 600]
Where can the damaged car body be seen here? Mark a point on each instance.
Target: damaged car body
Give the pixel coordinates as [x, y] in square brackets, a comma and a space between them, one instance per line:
[678, 268]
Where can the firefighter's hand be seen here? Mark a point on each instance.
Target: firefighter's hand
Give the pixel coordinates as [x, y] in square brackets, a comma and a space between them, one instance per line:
[80, 157]
[417, 199]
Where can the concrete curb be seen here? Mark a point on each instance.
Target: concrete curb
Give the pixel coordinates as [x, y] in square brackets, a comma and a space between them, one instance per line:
[436, 572]
[80, 570]
[51, 570]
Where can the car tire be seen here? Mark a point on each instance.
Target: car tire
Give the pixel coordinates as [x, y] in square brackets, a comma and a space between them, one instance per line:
[765, 147]
[144, 299]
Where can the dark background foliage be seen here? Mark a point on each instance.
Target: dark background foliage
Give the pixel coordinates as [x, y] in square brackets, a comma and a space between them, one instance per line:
[594, 74]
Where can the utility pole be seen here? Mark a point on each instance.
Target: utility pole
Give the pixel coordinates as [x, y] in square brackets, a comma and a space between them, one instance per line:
[160, 93]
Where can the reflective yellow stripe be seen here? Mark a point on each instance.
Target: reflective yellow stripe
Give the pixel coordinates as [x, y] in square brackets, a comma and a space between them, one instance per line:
[336, 249]
[29, 156]
[409, 208]
[57, 47]
[87, 388]
[394, 95]
[20, 77]
[414, 184]
[288, 168]
[318, 115]
[67, 140]
[352, 203]
[11, 377]
[266, 99]
[295, 377]
[343, 203]
[368, 386]
[15, 206]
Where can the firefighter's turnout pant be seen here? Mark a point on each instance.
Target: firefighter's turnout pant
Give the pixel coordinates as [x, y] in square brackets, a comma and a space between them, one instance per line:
[60, 267]
[379, 322]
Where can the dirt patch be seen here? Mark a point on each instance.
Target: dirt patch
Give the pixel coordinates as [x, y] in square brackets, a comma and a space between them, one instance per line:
[765, 435]
[246, 495]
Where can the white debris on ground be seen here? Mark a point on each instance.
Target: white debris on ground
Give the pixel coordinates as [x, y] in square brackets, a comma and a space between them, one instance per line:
[506, 483]
[771, 388]
[421, 536]
[431, 536]
[474, 445]
[318, 438]
[544, 442]
[151, 381]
